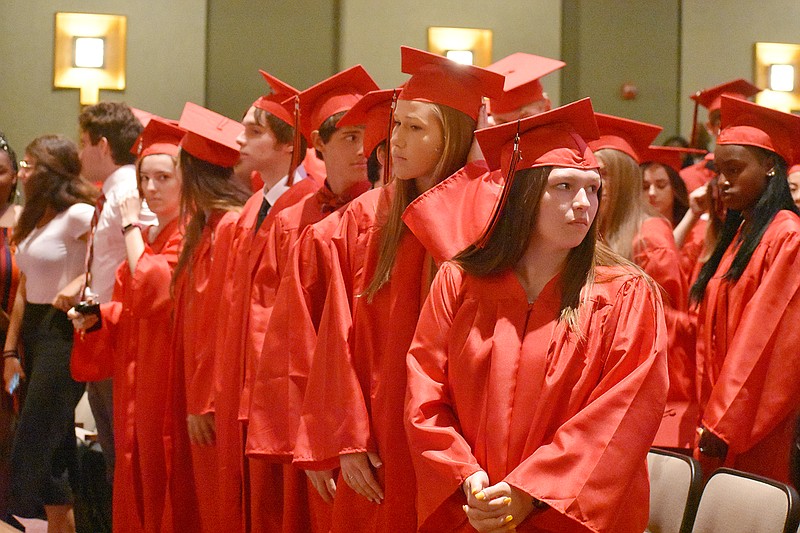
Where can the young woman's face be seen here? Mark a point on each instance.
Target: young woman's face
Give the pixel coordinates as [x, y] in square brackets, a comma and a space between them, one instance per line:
[742, 175]
[657, 190]
[567, 208]
[161, 185]
[794, 187]
[8, 177]
[417, 142]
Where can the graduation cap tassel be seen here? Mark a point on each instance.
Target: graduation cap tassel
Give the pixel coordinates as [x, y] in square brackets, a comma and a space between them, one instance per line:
[297, 157]
[694, 124]
[387, 168]
[516, 156]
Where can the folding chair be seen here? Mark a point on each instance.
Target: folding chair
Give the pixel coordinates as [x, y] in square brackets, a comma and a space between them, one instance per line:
[675, 485]
[738, 502]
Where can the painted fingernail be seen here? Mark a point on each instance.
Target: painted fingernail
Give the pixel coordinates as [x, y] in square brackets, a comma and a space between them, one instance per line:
[465, 508]
[506, 500]
[480, 496]
[508, 519]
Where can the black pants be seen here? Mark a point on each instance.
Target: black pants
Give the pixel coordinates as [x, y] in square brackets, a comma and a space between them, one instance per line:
[44, 449]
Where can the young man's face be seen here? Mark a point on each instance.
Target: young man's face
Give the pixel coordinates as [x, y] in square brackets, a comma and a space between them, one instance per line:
[259, 149]
[343, 155]
[94, 158]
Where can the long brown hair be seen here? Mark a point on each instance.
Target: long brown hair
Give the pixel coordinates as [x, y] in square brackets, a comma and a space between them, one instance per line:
[205, 188]
[624, 210]
[458, 130]
[54, 185]
[511, 237]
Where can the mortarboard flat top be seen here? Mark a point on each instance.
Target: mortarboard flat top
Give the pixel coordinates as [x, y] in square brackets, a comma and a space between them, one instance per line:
[439, 80]
[373, 111]
[750, 124]
[628, 136]
[338, 93]
[522, 86]
[710, 98]
[209, 135]
[160, 136]
[555, 138]
[671, 156]
[272, 103]
[142, 116]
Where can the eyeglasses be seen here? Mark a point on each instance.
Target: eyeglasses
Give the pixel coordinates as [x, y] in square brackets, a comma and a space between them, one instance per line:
[25, 164]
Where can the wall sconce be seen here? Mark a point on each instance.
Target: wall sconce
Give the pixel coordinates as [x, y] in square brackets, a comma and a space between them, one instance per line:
[463, 45]
[89, 54]
[775, 67]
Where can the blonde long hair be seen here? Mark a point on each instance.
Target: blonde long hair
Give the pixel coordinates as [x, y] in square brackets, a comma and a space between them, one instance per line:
[458, 131]
[624, 210]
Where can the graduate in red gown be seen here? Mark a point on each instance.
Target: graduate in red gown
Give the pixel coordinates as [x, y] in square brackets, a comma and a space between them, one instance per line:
[353, 409]
[635, 230]
[748, 376]
[267, 146]
[132, 344]
[279, 385]
[211, 200]
[537, 376]
[704, 170]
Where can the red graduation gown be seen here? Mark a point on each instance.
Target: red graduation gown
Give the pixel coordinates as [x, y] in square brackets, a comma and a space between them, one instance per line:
[244, 319]
[699, 174]
[133, 347]
[355, 390]
[748, 372]
[655, 252]
[500, 385]
[198, 291]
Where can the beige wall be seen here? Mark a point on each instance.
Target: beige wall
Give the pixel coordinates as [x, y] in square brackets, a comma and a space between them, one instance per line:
[165, 62]
[719, 37]
[294, 41]
[611, 42]
[373, 31]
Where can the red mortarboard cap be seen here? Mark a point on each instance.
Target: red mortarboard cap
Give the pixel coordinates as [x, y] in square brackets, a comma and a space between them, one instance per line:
[209, 135]
[142, 115]
[373, 111]
[333, 95]
[558, 137]
[710, 98]
[793, 169]
[160, 136]
[627, 136]
[671, 156]
[750, 124]
[272, 103]
[439, 80]
[522, 86]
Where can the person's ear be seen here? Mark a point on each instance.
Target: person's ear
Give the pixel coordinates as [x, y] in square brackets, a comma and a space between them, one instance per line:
[317, 142]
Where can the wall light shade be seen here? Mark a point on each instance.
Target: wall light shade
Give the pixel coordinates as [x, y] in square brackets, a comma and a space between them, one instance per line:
[462, 44]
[89, 53]
[781, 78]
[775, 68]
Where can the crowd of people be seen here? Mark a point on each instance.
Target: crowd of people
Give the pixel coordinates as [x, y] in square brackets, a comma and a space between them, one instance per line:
[445, 306]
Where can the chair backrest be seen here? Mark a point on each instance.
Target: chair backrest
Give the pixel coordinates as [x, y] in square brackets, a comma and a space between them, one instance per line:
[675, 484]
[738, 502]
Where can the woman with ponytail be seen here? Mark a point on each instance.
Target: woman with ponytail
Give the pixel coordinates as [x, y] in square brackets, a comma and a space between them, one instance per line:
[748, 375]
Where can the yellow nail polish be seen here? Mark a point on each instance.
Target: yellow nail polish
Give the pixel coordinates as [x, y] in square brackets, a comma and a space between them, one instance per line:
[506, 500]
[480, 496]
[508, 519]
[465, 508]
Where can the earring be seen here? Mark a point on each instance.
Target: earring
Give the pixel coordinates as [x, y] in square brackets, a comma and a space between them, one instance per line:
[771, 172]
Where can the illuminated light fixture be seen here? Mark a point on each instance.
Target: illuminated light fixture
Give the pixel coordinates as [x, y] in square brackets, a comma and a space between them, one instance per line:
[89, 54]
[460, 56]
[470, 46]
[781, 78]
[775, 66]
